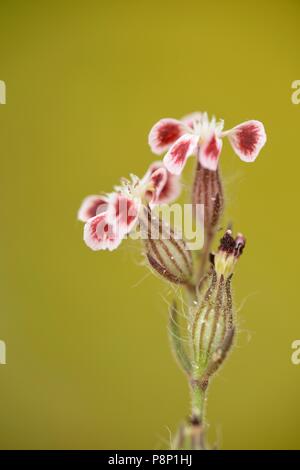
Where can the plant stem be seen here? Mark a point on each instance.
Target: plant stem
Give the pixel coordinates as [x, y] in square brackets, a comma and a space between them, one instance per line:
[191, 292]
[204, 258]
[198, 402]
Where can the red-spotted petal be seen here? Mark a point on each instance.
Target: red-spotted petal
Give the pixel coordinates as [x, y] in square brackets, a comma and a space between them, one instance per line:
[171, 188]
[176, 157]
[124, 212]
[163, 134]
[192, 119]
[247, 139]
[158, 179]
[91, 206]
[209, 153]
[100, 234]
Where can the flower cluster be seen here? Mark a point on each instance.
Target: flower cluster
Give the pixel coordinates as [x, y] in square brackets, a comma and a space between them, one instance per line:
[111, 217]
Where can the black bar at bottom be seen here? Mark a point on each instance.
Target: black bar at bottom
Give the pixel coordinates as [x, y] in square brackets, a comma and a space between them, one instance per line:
[146, 458]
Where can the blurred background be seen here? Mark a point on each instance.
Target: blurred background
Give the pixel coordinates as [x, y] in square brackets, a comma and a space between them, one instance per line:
[88, 358]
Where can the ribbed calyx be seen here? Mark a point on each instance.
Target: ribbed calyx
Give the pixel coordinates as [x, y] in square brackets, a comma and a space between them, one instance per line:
[165, 250]
[208, 190]
[212, 327]
[209, 336]
[202, 344]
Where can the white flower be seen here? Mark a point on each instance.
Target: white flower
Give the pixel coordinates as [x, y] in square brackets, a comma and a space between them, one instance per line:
[109, 218]
[196, 135]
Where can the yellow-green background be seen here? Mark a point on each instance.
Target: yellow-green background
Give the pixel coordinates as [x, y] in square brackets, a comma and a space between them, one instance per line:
[88, 359]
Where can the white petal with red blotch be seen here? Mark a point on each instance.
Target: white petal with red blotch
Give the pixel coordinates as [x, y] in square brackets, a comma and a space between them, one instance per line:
[191, 119]
[123, 212]
[176, 157]
[172, 187]
[91, 206]
[209, 153]
[247, 139]
[158, 179]
[100, 234]
[164, 133]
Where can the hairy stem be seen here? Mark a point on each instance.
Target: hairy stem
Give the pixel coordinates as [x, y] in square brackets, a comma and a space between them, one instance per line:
[198, 402]
[204, 258]
[191, 292]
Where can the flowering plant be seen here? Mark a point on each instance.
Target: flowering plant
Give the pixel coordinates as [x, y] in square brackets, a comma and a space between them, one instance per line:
[202, 330]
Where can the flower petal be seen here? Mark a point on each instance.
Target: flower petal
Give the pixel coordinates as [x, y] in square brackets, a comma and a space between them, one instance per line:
[191, 119]
[176, 157]
[209, 153]
[100, 234]
[158, 179]
[171, 188]
[247, 139]
[91, 206]
[124, 212]
[163, 134]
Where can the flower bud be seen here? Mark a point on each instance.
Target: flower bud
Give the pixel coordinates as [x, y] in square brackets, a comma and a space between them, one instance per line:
[212, 327]
[210, 321]
[165, 250]
[229, 251]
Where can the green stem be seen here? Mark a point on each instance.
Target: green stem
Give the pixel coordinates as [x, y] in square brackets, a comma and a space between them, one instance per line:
[204, 258]
[198, 402]
[191, 293]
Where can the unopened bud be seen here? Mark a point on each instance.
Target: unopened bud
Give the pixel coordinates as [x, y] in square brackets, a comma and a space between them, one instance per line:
[229, 251]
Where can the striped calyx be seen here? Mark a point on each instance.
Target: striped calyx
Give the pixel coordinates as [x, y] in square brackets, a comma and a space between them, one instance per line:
[165, 250]
[212, 320]
[208, 191]
[212, 327]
